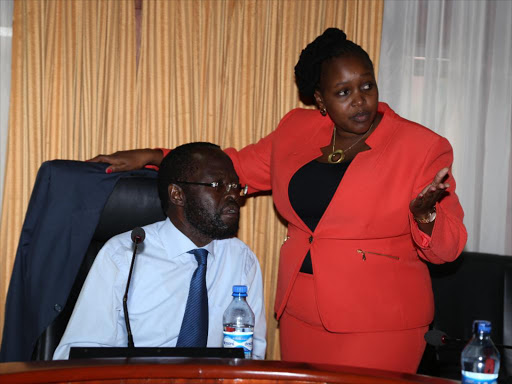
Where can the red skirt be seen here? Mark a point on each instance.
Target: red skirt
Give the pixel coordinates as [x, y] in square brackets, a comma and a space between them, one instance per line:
[304, 338]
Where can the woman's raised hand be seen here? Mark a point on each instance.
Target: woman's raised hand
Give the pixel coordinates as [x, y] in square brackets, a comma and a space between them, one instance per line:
[426, 200]
[130, 160]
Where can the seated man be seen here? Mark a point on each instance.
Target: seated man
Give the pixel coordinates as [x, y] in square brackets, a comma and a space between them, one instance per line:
[200, 194]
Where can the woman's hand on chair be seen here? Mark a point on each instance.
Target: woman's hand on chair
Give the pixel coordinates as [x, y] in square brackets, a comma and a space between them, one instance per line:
[130, 160]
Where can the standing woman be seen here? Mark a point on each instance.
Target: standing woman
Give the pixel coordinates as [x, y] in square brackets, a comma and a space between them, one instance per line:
[369, 198]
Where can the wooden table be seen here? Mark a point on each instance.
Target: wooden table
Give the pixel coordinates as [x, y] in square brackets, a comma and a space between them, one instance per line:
[207, 370]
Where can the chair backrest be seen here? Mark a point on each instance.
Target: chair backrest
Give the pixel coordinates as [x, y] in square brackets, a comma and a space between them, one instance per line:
[476, 286]
[134, 202]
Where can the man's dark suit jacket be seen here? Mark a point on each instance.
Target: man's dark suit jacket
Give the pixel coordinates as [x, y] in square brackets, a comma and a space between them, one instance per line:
[62, 215]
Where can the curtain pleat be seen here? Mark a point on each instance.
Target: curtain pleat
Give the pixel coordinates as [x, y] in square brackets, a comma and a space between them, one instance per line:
[72, 96]
[209, 70]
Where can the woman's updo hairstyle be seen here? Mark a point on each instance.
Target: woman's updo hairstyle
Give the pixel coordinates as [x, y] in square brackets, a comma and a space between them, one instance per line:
[332, 43]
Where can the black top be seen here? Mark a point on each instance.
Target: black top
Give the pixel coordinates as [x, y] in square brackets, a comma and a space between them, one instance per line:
[310, 191]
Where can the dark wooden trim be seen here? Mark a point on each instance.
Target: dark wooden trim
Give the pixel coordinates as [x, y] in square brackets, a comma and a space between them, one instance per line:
[179, 370]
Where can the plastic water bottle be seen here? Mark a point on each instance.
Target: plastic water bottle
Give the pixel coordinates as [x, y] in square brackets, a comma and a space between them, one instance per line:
[480, 360]
[238, 321]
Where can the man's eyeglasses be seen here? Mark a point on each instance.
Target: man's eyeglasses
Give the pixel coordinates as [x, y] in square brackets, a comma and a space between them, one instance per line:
[219, 186]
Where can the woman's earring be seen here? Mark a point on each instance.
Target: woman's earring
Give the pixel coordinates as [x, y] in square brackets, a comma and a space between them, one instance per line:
[323, 112]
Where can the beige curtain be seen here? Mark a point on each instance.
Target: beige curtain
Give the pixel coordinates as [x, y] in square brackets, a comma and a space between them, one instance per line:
[219, 71]
[73, 91]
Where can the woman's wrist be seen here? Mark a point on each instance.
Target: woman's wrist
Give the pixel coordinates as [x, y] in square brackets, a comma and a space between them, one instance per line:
[427, 218]
[153, 156]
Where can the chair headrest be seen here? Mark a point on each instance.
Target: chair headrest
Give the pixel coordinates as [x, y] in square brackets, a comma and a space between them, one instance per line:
[134, 202]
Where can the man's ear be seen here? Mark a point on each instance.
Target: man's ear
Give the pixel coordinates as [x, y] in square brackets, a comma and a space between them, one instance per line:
[176, 195]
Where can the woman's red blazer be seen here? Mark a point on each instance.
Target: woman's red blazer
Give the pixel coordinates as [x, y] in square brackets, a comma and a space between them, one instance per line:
[367, 252]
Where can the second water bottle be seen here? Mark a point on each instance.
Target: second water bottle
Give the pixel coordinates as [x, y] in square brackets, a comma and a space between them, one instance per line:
[238, 321]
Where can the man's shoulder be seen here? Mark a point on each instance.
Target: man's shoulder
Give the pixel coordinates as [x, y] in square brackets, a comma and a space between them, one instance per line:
[123, 241]
[236, 256]
[233, 244]
[236, 248]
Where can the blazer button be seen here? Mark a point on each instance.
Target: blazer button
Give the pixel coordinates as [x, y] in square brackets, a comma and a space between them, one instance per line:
[57, 308]
[310, 239]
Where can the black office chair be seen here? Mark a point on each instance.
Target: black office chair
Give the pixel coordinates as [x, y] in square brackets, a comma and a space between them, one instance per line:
[474, 287]
[134, 202]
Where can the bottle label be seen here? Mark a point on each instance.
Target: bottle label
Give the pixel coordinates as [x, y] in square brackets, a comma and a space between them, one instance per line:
[479, 378]
[238, 339]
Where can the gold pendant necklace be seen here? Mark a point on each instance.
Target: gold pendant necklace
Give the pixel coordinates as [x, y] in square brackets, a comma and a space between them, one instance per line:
[341, 152]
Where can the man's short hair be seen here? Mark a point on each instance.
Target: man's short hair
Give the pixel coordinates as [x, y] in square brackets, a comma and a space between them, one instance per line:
[178, 165]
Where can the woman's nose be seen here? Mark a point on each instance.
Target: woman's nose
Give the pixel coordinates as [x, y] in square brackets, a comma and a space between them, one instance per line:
[358, 100]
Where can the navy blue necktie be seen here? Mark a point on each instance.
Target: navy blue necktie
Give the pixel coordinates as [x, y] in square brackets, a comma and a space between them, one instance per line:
[194, 328]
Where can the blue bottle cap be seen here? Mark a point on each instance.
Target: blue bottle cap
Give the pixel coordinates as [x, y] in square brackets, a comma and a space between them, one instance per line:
[482, 326]
[240, 290]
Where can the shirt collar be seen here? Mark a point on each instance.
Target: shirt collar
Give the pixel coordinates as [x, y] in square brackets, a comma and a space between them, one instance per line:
[176, 243]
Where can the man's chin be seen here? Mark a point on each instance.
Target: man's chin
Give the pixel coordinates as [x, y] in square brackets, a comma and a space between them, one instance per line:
[228, 233]
[219, 226]
[219, 232]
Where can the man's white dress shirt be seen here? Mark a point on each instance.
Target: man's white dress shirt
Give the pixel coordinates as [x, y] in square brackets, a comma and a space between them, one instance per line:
[159, 291]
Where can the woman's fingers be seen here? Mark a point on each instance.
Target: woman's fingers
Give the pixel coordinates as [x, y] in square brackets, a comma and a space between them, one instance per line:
[437, 183]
